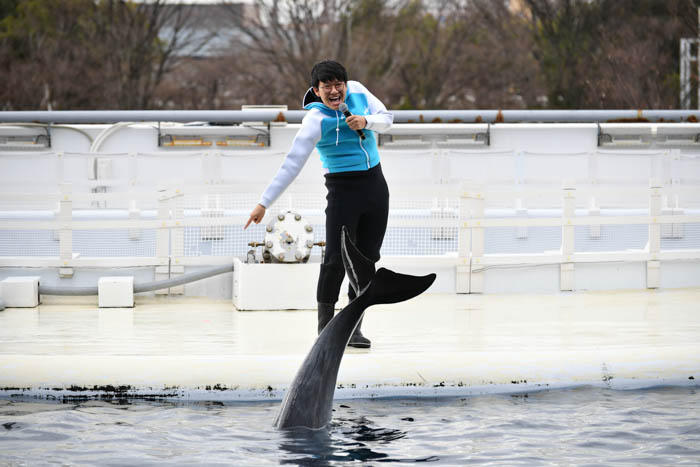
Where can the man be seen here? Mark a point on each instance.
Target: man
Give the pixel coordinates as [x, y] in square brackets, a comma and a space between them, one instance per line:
[358, 196]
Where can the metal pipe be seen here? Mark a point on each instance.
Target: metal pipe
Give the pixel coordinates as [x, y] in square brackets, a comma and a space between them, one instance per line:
[295, 116]
[115, 116]
[539, 116]
[183, 279]
[138, 288]
[67, 291]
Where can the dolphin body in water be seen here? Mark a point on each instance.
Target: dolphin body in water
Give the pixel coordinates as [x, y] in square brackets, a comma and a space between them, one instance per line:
[309, 400]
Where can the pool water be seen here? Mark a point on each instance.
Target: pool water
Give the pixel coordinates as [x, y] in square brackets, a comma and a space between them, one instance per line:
[586, 425]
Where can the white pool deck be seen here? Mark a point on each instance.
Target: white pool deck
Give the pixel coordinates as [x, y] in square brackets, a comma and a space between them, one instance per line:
[433, 345]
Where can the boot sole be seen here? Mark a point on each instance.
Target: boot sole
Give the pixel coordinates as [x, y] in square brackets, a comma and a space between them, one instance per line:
[359, 345]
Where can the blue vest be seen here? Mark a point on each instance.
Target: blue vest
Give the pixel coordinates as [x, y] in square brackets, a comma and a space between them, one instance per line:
[343, 150]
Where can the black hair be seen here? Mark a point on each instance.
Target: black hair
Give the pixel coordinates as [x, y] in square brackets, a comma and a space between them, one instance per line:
[328, 70]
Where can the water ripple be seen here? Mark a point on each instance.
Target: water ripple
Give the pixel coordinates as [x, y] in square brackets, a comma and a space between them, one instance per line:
[584, 425]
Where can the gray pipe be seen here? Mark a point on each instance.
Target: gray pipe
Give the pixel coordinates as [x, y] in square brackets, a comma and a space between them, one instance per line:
[295, 116]
[138, 288]
[114, 116]
[539, 116]
[67, 291]
[183, 279]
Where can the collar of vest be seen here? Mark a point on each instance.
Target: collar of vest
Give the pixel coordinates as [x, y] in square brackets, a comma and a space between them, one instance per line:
[322, 107]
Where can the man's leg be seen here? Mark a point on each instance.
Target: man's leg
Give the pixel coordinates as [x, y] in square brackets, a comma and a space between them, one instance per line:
[332, 271]
[369, 237]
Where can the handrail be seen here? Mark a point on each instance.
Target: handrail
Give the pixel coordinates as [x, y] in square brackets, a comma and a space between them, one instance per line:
[400, 116]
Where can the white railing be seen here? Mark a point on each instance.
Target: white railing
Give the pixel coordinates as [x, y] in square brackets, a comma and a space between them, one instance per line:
[467, 218]
[453, 204]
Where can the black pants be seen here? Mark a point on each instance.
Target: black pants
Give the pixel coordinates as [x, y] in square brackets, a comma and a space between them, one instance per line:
[360, 201]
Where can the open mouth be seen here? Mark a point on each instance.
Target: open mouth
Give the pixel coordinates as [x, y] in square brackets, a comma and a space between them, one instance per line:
[335, 100]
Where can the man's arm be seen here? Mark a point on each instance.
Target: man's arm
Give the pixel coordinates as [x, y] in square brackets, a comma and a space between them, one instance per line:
[302, 146]
[379, 119]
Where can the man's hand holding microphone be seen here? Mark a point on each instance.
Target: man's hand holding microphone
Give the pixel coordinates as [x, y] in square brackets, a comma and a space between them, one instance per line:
[355, 122]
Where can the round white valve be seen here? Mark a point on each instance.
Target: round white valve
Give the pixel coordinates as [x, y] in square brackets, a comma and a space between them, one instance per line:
[289, 238]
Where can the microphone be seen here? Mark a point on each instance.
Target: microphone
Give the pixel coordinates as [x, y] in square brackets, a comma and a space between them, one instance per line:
[343, 107]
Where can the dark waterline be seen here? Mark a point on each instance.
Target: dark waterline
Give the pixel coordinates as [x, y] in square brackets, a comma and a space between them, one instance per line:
[576, 426]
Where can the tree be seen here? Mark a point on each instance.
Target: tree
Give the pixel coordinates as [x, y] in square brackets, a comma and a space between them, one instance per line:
[567, 36]
[611, 53]
[91, 53]
[501, 69]
[281, 40]
[431, 54]
[638, 64]
[402, 48]
[88, 54]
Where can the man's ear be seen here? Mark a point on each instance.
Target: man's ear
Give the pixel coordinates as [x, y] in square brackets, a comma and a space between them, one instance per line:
[315, 91]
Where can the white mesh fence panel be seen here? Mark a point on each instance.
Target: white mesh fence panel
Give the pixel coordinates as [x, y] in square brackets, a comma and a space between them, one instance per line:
[234, 208]
[612, 237]
[681, 236]
[625, 167]
[551, 168]
[685, 169]
[414, 234]
[403, 165]
[115, 243]
[178, 167]
[28, 242]
[519, 240]
[421, 237]
[494, 167]
[418, 241]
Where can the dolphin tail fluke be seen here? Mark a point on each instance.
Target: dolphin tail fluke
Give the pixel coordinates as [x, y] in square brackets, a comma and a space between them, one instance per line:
[360, 270]
[392, 287]
[387, 286]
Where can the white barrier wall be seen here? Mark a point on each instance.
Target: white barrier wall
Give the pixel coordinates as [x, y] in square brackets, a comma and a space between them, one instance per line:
[491, 208]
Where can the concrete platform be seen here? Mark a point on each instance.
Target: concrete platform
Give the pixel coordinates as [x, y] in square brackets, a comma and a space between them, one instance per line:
[190, 349]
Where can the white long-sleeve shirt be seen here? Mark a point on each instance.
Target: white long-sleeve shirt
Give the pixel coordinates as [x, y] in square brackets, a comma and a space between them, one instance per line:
[320, 118]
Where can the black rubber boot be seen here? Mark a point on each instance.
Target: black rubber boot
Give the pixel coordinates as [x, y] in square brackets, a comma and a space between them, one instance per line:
[325, 314]
[357, 340]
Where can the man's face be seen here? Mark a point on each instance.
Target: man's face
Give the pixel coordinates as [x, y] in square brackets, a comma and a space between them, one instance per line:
[332, 93]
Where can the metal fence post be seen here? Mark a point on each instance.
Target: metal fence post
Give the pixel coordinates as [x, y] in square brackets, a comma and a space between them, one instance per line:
[163, 239]
[216, 168]
[464, 244]
[177, 240]
[566, 268]
[476, 276]
[65, 230]
[133, 169]
[471, 240]
[654, 245]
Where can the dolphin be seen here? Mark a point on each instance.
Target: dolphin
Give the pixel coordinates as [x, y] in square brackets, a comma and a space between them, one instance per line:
[309, 400]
